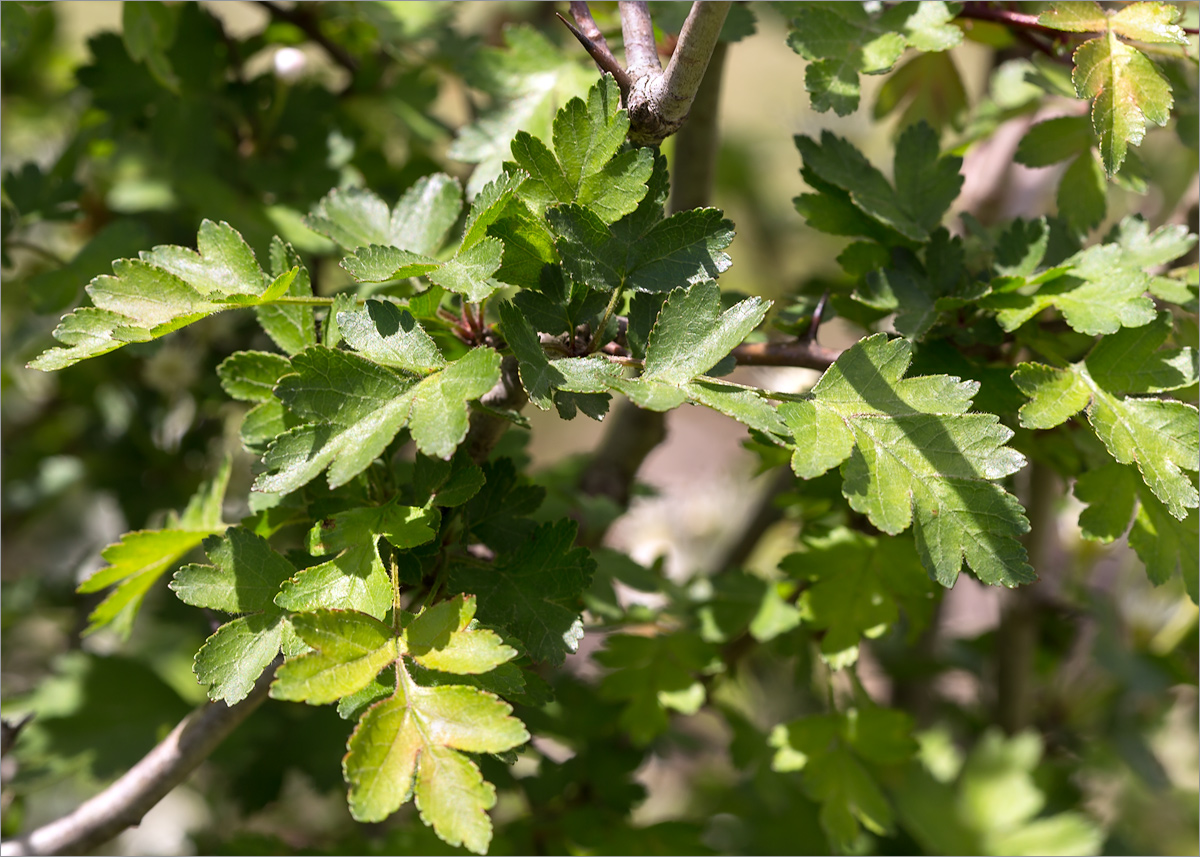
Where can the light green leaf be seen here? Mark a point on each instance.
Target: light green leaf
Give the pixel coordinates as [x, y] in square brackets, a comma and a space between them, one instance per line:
[1158, 435]
[534, 590]
[356, 217]
[443, 638]
[388, 334]
[1098, 290]
[490, 205]
[1075, 17]
[167, 288]
[349, 650]
[377, 264]
[235, 655]
[140, 558]
[470, 272]
[1127, 92]
[244, 576]
[692, 335]
[409, 743]
[585, 167]
[908, 445]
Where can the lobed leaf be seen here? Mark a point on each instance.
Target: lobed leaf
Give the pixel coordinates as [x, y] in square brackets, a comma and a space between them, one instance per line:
[1157, 435]
[910, 454]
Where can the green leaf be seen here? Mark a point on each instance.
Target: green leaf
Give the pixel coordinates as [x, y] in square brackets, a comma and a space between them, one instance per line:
[1083, 194]
[244, 576]
[409, 744]
[349, 650]
[444, 638]
[251, 376]
[148, 30]
[533, 590]
[585, 167]
[854, 587]
[831, 749]
[440, 405]
[354, 578]
[469, 273]
[652, 675]
[541, 376]
[359, 406]
[933, 89]
[1098, 290]
[1115, 495]
[490, 205]
[1127, 92]
[291, 327]
[685, 248]
[692, 334]
[908, 445]
[926, 185]
[843, 40]
[388, 334]
[1054, 140]
[167, 288]
[140, 558]
[1155, 434]
[420, 222]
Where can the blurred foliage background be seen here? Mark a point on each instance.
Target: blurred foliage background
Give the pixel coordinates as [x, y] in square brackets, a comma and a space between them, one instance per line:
[117, 138]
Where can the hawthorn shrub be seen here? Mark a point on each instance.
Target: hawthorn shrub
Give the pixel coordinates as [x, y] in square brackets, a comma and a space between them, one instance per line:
[356, 245]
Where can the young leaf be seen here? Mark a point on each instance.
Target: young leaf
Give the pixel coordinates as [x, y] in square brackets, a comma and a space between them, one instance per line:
[692, 334]
[533, 590]
[444, 638]
[908, 445]
[349, 650]
[142, 557]
[585, 167]
[244, 577]
[165, 289]
[412, 743]
[356, 217]
[355, 579]
[1158, 435]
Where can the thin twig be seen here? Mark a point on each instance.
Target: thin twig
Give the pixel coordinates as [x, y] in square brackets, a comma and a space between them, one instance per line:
[589, 35]
[126, 802]
[796, 352]
[306, 23]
